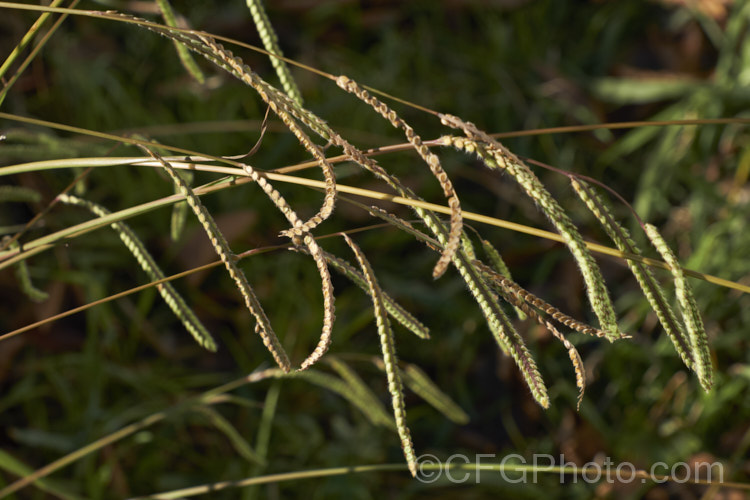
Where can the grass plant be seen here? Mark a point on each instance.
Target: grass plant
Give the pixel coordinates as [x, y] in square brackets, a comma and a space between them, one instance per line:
[102, 387]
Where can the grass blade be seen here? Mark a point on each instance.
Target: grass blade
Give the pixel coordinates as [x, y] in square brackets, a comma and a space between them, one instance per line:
[377, 413]
[239, 443]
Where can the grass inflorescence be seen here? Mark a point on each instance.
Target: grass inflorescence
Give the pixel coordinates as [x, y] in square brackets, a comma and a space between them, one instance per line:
[312, 223]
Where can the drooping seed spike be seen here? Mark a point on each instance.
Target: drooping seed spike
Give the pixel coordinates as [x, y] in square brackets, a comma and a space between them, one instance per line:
[263, 327]
[651, 288]
[388, 346]
[172, 298]
[689, 309]
[456, 222]
[496, 156]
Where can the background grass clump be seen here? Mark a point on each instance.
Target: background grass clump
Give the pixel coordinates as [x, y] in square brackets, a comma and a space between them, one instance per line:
[506, 66]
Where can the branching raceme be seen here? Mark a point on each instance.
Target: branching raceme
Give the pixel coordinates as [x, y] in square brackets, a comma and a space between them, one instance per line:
[690, 341]
[651, 289]
[286, 108]
[485, 284]
[496, 156]
[488, 283]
